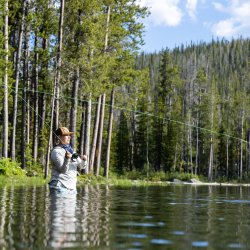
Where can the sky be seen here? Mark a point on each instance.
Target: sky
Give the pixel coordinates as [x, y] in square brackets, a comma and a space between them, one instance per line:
[179, 22]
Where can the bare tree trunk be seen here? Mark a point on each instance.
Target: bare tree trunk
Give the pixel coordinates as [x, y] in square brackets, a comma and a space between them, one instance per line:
[132, 141]
[73, 110]
[227, 167]
[147, 145]
[94, 137]
[83, 127]
[182, 150]
[175, 156]
[35, 134]
[42, 153]
[49, 146]
[42, 108]
[107, 30]
[25, 101]
[43, 111]
[87, 131]
[248, 153]
[18, 57]
[106, 167]
[23, 135]
[26, 73]
[190, 141]
[5, 98]
[28, 96]
[210, 168]
[241, 142]
[58, 66]
[197, 145]
[100, 134]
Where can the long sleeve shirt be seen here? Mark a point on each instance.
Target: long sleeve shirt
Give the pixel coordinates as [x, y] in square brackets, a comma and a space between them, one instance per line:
[65, 169]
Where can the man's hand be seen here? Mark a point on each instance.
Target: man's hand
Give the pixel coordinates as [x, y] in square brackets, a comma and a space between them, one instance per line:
[84, 157]
[68, 154]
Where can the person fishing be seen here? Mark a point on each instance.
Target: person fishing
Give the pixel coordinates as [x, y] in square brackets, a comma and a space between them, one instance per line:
[65, 163]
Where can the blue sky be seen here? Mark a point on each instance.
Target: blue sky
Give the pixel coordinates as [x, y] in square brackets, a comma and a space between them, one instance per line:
[175, 22]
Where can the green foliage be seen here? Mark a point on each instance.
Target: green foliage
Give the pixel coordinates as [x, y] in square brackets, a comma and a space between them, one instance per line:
[32, 168]
[157, 176]
[11, 168]
[17, 180]
[133, 175]
[170, 176]
[122, 147]
[91, 178]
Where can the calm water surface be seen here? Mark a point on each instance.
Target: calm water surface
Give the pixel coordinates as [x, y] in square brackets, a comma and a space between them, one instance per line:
[171, 217]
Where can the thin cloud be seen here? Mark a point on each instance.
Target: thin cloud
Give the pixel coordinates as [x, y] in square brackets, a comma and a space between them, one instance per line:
[163, 12]
[238, 22]
[191, 6]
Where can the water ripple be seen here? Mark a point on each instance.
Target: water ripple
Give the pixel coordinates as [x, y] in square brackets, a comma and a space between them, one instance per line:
[142, 224]
[200, 244]
[161, 241]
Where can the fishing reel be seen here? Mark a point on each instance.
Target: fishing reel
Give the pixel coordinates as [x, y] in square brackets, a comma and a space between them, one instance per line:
[74, 156]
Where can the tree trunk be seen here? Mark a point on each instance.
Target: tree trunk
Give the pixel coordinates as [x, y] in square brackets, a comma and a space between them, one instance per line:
[106, 168]
[18, 57]
[248, 153]
[26, 73]
[28, 96]
[107, 30]
[241, 142]
[58, 66]
[26, 83]
[147, 145]
[94, 137]
[35, 133]
[100, 134]
[5, 97]
[175, 156]
[197, 145]
[190, 141]
[73, 110]
[210, 168]
[23, 135]
[83, 127]
[49, 146]
[227, 167]
[42, 153]
[87, 131]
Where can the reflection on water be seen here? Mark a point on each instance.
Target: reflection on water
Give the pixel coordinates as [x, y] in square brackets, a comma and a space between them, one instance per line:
[62, 220]
[172, 217]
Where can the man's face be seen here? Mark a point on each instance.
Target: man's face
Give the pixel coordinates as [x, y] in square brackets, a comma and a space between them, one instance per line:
[65, 139]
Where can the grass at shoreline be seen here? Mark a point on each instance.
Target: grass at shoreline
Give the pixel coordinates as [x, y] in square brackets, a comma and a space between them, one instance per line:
[22, 181]
[90, 179]
[86, 180]
[12, 174]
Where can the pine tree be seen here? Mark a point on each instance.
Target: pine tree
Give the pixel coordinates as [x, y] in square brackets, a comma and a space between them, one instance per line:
[122, 158]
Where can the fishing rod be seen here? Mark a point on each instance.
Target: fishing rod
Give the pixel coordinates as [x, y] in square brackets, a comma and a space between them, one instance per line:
[48, 126]
[136, 112]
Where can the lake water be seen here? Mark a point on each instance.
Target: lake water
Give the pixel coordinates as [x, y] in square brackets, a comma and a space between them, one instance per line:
[162, 217]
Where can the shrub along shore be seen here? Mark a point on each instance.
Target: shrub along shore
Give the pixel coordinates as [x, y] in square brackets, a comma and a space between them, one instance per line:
[11, 174]
[17, 180]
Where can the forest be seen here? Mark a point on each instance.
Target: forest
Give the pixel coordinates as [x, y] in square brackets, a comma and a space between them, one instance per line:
[78, 64]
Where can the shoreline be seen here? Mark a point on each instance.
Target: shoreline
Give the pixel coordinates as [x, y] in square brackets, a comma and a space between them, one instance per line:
[40, 181]
[192, 182]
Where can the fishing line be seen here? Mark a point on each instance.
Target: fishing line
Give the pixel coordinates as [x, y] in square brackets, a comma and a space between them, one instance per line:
[132, 111]
[48, 126]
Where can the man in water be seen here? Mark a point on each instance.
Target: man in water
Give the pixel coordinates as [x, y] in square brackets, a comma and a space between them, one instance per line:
[65, 163]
